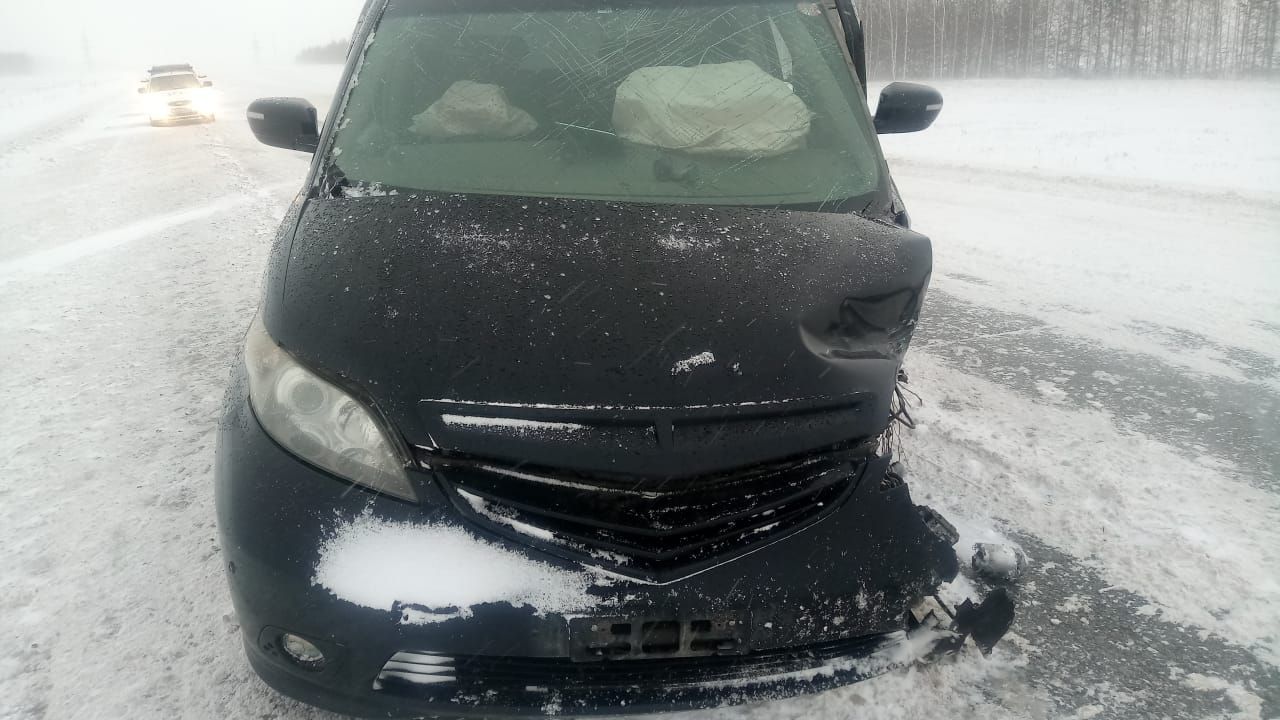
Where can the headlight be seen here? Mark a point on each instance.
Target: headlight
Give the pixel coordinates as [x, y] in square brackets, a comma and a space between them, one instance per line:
[318, 422]
[157, 106]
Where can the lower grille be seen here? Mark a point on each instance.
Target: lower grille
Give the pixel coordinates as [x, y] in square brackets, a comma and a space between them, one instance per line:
[416, 669]
[498, 676]
[649, 526]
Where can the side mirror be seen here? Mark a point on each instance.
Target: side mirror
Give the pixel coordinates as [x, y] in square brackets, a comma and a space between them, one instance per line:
[207, 83]
[907, 107]
[289, 123]
[142, 91]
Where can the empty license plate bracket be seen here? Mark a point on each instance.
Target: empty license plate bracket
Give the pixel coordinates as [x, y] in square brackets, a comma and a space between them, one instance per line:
[644, 638]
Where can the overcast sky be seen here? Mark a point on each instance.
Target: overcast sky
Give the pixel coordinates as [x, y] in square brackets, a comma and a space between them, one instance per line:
[125, 33]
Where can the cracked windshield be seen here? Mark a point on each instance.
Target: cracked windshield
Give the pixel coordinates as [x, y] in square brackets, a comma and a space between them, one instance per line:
[698, 359]
[723, 104]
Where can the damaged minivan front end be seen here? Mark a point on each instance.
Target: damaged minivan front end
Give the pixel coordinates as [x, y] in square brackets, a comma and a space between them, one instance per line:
[552, 412]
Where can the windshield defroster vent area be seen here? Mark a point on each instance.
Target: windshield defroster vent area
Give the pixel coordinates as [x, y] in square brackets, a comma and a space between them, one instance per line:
[655, 525]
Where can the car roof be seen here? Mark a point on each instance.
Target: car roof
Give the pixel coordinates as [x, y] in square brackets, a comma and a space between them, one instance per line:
[171, 74]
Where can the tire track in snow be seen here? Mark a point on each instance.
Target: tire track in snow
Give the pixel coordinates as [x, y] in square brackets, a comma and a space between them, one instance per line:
[53, 126]
[1119, 652]
[1211, 419]
[120, 358]
[55, 257]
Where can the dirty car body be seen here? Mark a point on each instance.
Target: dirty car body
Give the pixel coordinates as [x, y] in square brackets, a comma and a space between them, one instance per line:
[544, 414]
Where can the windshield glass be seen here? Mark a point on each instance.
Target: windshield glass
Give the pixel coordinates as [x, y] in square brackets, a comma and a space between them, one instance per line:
[715, 103]
[164, 83]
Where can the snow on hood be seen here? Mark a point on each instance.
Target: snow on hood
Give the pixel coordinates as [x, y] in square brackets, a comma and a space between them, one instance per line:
[688, 364]
[441, 571]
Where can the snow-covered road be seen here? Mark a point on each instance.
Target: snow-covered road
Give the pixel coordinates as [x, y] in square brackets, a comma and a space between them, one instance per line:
[1099, 366]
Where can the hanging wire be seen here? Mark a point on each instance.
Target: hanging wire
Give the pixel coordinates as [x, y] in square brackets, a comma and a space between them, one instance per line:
[900, 405]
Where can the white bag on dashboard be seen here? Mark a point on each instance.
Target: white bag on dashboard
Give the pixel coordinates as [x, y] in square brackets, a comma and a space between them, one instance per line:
[730, 108]
[471, 108]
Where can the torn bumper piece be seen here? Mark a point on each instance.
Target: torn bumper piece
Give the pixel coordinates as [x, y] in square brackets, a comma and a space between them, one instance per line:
[985, 623]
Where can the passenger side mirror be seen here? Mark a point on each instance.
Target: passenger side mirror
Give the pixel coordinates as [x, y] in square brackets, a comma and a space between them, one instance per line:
[207, 83]
[289, 123]
[907, 107]
[142, 91]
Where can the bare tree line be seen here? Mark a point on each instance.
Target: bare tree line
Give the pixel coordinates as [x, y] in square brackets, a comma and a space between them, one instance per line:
[330, 53]
[984, 38]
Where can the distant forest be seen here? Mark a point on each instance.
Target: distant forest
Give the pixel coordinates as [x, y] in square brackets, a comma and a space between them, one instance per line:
[1043, 38]
[1051, 38]
[334, 52]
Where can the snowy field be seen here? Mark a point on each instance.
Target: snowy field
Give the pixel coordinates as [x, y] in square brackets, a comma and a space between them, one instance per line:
[1099, 366]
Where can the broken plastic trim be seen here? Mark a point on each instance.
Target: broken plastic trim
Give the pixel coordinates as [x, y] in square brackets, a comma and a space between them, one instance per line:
[987, 622]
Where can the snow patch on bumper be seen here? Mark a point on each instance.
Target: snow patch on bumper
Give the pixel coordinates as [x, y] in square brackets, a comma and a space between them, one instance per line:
[441, 572]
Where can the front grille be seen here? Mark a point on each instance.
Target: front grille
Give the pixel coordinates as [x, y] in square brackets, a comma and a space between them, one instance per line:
[653, 527]
[179, 103]
[490, 675]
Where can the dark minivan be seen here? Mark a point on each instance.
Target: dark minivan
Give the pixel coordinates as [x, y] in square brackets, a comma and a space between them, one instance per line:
[570, 390]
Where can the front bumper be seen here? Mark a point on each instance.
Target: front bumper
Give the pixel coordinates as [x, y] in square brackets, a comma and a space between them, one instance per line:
[820, 608]
[188, 113]
[502, 687]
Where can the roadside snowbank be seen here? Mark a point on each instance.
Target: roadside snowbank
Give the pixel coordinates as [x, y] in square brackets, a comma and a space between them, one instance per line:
[1139, 215]
[1199, 136]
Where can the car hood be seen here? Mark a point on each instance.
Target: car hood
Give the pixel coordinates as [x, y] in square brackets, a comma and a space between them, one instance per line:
[635, 338]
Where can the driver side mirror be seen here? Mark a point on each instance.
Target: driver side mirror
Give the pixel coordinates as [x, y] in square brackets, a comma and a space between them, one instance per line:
[207, 83]
[906, 108]
[289, 123]
[142, 90]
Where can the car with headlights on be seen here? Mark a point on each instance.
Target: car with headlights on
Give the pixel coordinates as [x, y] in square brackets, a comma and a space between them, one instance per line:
[571, 385]
[174, 94]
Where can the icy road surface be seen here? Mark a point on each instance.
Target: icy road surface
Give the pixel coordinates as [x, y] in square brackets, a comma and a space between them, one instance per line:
[1099, 364]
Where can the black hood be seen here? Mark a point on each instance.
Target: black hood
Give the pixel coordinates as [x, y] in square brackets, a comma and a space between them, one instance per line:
[589, 334]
